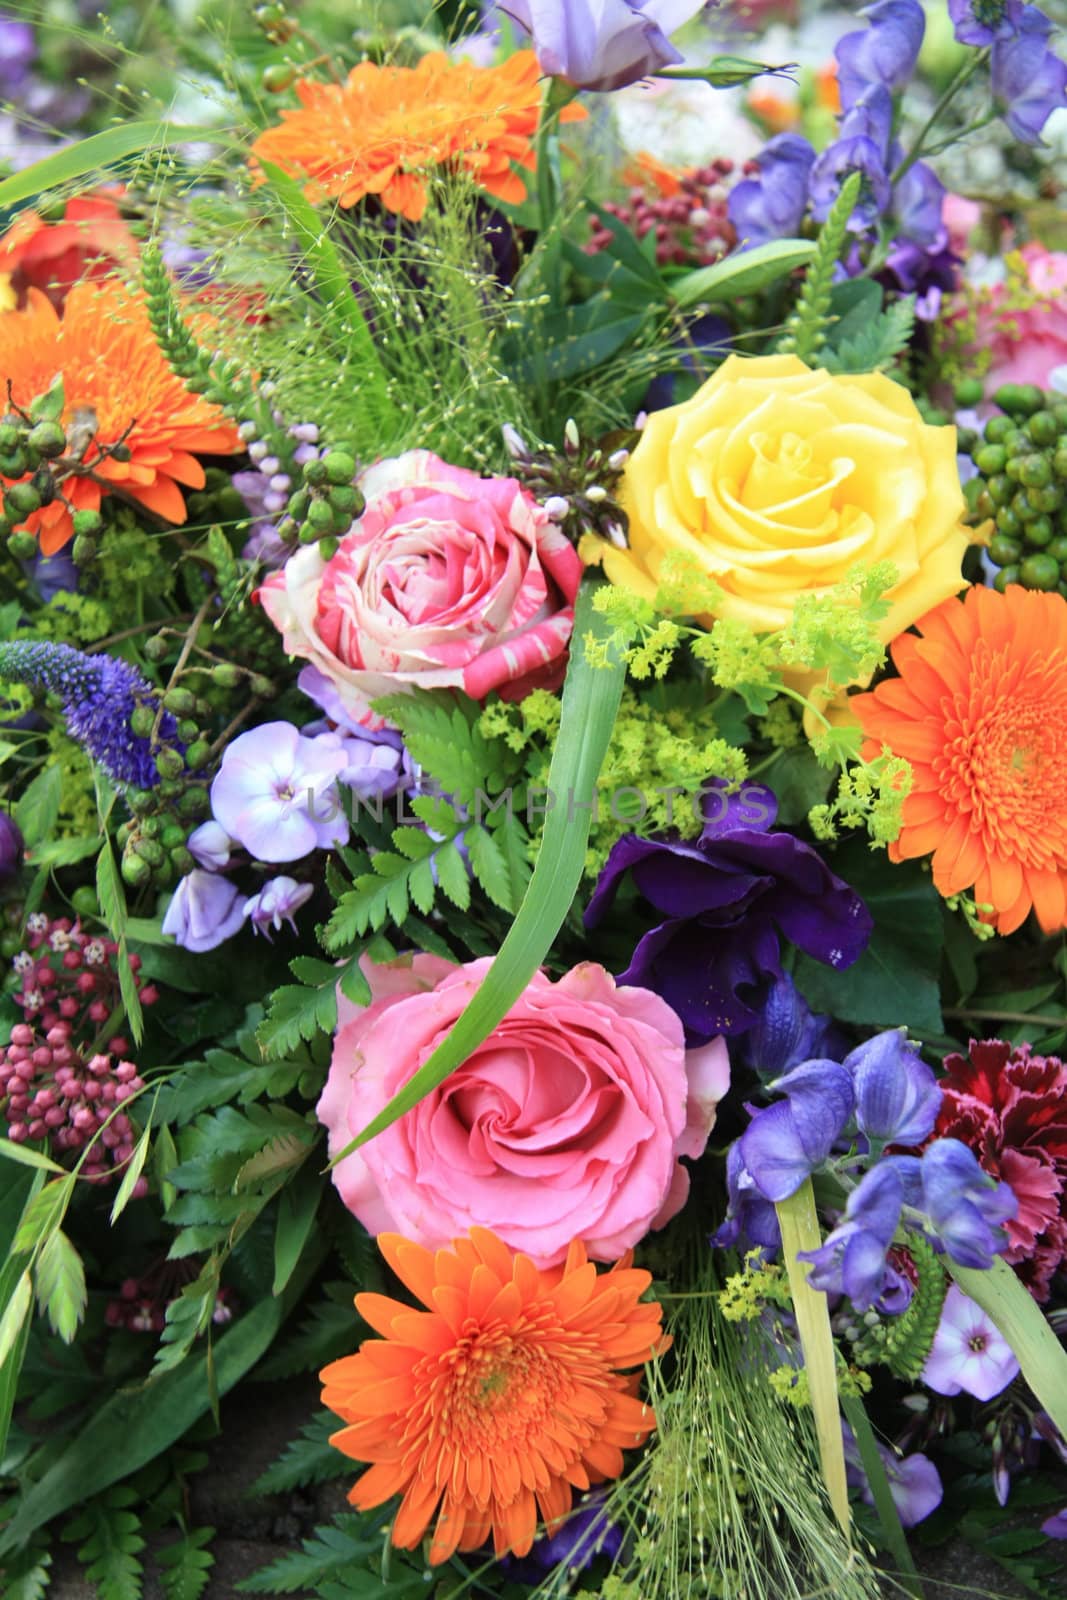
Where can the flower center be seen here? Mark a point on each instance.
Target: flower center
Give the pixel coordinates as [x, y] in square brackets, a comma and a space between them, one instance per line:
[987, 12]
[977, 1342]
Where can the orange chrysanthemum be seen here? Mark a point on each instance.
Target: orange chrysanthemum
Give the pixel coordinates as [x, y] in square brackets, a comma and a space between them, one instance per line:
[90, 242]
[380, 131]
[117, 387]
[980, 712]
[498, 1400]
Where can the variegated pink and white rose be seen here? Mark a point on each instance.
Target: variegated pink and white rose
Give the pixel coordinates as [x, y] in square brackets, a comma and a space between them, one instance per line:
[447, 580]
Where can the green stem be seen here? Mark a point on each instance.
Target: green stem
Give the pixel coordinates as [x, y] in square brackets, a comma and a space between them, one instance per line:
[557, 95]
[964, 75]
[882, 1494]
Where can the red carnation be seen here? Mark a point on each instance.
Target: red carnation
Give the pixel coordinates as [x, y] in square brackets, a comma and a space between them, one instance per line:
[1010, 1108]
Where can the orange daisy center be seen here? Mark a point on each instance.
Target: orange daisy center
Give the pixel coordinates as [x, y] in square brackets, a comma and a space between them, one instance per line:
[980, 712]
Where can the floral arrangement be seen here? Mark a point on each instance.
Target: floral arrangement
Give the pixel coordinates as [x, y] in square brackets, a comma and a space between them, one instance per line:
[533, 846]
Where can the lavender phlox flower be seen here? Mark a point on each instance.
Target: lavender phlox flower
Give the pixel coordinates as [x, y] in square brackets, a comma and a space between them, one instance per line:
[884, 53]
[1029, 81]
[205, 910]
[787, 1142]
[601, 44]
[914, 1481]
[852, 1258]
[897, 1097]
[278, 901]
[965, 1206]
[210, 846]
[751, 1220]
[276, 792]
[772, 206]
[98, 695]
[969, 1352]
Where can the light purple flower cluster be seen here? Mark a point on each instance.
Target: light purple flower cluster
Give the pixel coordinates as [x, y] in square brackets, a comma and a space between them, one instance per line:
[1029, 80]
[914, 1481]
[266, 488]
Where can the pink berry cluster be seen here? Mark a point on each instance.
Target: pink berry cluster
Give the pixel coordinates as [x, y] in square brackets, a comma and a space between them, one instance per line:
[141, 1303]
[691, 227]
[55, 1083]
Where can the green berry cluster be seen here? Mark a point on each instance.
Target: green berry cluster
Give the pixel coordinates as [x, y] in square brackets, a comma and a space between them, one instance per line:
[326, 503]
[1022, 460]
[36, 456]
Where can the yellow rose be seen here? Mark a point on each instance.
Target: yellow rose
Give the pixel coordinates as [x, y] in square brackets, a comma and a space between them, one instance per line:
[779, 479]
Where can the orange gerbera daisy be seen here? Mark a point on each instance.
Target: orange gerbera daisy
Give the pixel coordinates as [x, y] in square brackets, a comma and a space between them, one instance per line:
[980, 711]
[380, 131]
[90, 241]
[502, 1397]
[117, 388]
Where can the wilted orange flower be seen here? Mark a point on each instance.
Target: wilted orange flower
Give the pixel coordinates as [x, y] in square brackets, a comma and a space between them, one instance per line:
[381, 130]
[90, 241]
[117, 387]
[980, 712]
[488, 1408]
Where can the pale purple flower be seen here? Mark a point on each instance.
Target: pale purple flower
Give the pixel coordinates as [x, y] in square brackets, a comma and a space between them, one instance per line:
[897, 1098]
[917, 204]
[772, 206]
[276, 792]
[278, 901]
[914, 1481]
[885, 52]
[969, 1352]
[980, 22]
[787, 1142]
[205, 910]
[601, 44]
[210, 846]
[1029, 80]
[1056, 1527]
[18, 49]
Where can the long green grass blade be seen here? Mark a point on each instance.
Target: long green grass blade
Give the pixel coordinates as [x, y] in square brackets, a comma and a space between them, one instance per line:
[882, 1494]
[1020, 1319]
[800, 1231]
[98, 151]
[591, 698]
[342, 312]
[745, 272]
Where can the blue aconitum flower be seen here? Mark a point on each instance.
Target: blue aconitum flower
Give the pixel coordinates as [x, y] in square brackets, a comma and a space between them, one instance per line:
[965, 1206]
[897, 1097]
[852, 1259]
[918, 201]
[772, 206]
[787, 1033]
[98, 694]
[981, 22]
[1029, 80]
[751, 1220]
[862, 145]
[885, 52]
[787, 1142]
[601, 44]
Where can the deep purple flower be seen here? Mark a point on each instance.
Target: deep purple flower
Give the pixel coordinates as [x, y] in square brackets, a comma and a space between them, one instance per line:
[928, 273]
[787, 1142]
[205, 910]
[583, 1535]
[788, 1032]
[276, 792]
[210, 846]
[11, 847]
[917, 202]
[1029, 80]
[772, 206]
[885, 52]
[852, 1259]
[969, 1352]
[751, 1220]
[914, 1481]
[980, 22]
[724, 900]
[601, 44]
[52, 575]
[897, 1097]
[98, 694]
[278, 901]
[18, 49]
[966, 1207]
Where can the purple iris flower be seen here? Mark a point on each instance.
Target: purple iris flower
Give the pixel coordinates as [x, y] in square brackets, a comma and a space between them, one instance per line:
[897, 1097]
[917, 204]
[205, 910]
[787, 1142]
[885, 52]
[601, 44]
[914, 1481]
[751, 1220]
[852, 1259]
[276, 792]
[980, 22]
[724, 899]
[278, 901]
[966, 1207]
[788, 1032]
[1029, 81]
[862, 145]
[772, 206]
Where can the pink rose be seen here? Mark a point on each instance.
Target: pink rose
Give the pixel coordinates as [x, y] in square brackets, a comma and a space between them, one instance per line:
[1027, 343]
[567, 1123]
[447, 580]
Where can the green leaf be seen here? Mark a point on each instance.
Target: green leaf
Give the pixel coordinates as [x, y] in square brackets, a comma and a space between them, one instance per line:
[342, 1544]
[131, 1000]
[297, 1206]
[876, 346]
[591, 696]
[307, 1460]
[64, 852]
[89, 156]
[1022, 1322]
[330, 1329]
[297, 1013]
[895, 982]
[339, 314]
[110, 892]
[26, 1156]
[799, 1223]
[185, 1566]
[220, 1077]
[743, 273]
[285, 1150]
[38, 810]
[15, 1314]
[490, 867]
[27, 1575]
[565, 344]
[882, 1494]
[44, 1213]
[60, 1282]
[134, 1168]
[111, 1553]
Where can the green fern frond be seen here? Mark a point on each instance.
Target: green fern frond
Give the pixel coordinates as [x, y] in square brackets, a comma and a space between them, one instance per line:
[805, 331]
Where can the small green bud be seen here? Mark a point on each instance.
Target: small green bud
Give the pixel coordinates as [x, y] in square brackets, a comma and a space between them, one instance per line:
[991, 459]
[83, 551]
[171, 788]
[142, 721]
[48, 439]
[197, 754]
[156, 647]
[149, 850]
[87, 522]
[140, 801]
[169, 764]
[84, 901]
[299, 501]
[120, 452]
[1035, 471]
[182, 859]
[22, 500]
[180, 701]
[338, 468]
[23, 545]
[320, 517]
[997, 428]
[1005, 576]
[152, 827]
[968, 392]
[1038, 531]
[1040, 572]
[1058, 549]
[13, 463]
[10, 434]
[314, 472]
[1003, 551]
[135, 870]
[261, 687]
[172, 836]
[329, 547]
[1000, 489]
[188, 730]
[194, 801]
[279, 77]
[1059, 461]
[346, 501]
[1043, 428]
[124, 835]
[225, 674]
